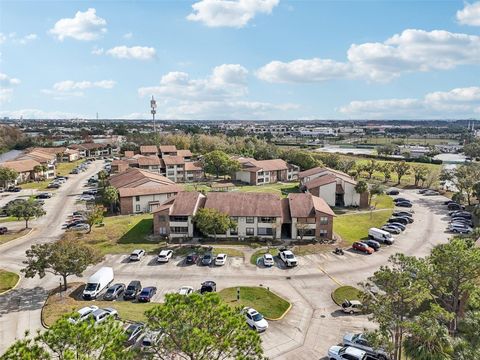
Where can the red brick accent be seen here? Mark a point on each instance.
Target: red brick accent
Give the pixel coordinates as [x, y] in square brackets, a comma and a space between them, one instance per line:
[161, 219]
[126, 205]
[328, 227]
[364, 200]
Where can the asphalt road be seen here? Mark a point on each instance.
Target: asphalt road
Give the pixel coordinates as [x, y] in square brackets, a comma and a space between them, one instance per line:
[20, 308]
[307, 331]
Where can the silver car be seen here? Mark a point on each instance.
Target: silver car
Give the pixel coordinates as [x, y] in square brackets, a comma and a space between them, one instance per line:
[360, 342]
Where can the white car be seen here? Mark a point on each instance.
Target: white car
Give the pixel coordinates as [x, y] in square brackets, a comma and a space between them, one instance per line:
[84, 313]
[164, 256]
[288, 258]
[185, 290]
[221, 259]
[346, 352]
[100, 315]
[268, 260]
[255, 320]
[460, 228]
[80, 227]
[136, 255]
[87, 198]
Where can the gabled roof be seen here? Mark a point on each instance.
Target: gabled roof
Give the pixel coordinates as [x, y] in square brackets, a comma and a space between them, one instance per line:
[148, 160]
[129, 153]
[149, 190]
[184, 153]
[245, 204]
[318, 170]
[38, 155]
[173, 160]
[190, 166]
[20, 165]
[150, 149]
[305, 205]
[134, 177]
[167, 148]
[320, 181]
[267, 165]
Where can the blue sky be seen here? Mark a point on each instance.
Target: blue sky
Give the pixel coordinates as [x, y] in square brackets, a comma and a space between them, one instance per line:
[240, 59]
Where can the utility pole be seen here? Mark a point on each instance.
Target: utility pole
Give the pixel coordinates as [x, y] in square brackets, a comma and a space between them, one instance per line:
[153, 106]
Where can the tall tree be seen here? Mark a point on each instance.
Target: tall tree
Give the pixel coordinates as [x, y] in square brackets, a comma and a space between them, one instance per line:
[7, 176]
[65, 258]
[110, 197]
[219, 163]
[102, 178]
[464, 178]
[467, 346]
[25, 210]
[386, 170]
[420, 173]
[95, 216]
[303, 159]
[401, 168]
[66, 340]
[202, 327]
[213, 222]
[375, 189]
[370, 167]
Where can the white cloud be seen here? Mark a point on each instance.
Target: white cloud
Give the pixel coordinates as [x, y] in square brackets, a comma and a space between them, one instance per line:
[15, 39]
[470, 14]
[134, 52]
[5, 95]
[229, 13]
[84, 26]
[97, 51]
[128, 35]
[6, 87]
[39, 114]
[68, 88]
[411, 51]
[456, 103]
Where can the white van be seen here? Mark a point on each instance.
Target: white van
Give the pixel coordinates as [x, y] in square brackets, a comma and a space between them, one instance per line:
[97, 282]
[380, 235]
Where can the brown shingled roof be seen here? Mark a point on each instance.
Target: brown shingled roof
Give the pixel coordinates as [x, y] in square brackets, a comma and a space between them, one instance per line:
[305, 205]
[149, 190]
[148, 160]
[20, 165]
[190, 166]
[320, 181]
[245, 204]
[186, 203]
[319, 169]
[184, 153]
[129, 153]
[134, 177]
[167, 148]
[148, 149]
[173, 160]
[267, 165]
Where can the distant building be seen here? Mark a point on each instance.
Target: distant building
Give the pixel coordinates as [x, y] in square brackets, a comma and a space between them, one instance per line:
[259, 172]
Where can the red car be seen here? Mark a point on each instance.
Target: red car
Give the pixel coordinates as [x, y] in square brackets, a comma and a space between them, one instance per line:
[362, 247]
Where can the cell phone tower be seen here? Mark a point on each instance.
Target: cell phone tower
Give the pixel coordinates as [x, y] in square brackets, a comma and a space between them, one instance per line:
[153, 106]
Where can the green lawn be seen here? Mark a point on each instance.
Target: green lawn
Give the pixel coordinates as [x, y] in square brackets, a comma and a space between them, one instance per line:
[57, 306]
[342, 293]
[8, 219]
[64, 168]
[121, 234]
[282, 189]
[264, 301]
[229, 251]
[354, 226]
[382, 202]
[39, 185]
[7, 280]
[411, 141]
[197, 187]
[260, 253]
[12, 235]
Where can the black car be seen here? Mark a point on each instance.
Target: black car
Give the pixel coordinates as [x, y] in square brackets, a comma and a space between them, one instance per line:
[393, 192]
[207, 259]
[400, 220]
[43, 196]
[463, 214]
[408, 218]
[375, 245]
[147, 294]
[455, 206]
[132, 333]
[400, 199]
[114, 292]
[74, 223]
[132, 290]
[407, 204]
[448, 202]
[3, 230]
[208, 286]
[191, 258]
[14, 189]
[402, 214]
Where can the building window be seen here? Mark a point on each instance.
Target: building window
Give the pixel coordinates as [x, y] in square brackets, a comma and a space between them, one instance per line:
[306, 232]
[179, 229]
[137, 208]
[249, 219]
[264, 231]
[267, 219]
[323, 220]
[323, 233]
[137, 198]
[250, 231]
[234, 231]
[161, 218]
[162, 231]
[179, 218]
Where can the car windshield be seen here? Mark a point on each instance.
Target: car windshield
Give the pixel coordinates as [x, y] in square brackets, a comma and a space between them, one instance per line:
[289, 256]
[91, 287]
[207, 257]
[110, 291]
[131, 287]
[145, 292]
[131, 329]
[257, 317]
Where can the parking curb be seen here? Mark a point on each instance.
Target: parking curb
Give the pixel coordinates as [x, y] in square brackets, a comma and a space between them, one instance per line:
[17, 239]
[15, 286]
[284, 314]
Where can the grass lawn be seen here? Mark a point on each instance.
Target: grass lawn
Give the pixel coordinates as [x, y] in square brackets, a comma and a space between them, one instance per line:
[121, 234]
[57, 306]
[12, 235]
[411, 141]
[7, 280]
[354, 226]
[282, 189]
[8, 219]
[197, 187]
[39, 185]
[229, 251]
[64, 168]
[383, 202]
[260, 253]
[342, 293]
[264, 301]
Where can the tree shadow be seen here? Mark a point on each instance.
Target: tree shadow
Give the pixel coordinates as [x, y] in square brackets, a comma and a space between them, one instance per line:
[138, 233]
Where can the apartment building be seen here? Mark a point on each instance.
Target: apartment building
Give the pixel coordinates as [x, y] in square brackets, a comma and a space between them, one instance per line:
[24, 168]
[46, 159]
[259, 172]
[148, 150]
[264, 215]
[95, 150]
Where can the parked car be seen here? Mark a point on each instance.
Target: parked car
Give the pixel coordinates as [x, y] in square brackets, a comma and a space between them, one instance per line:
[3, 230]
[150, 338]
[455, 206]
[380, 235]
[460, 229]
[114, 292]
[164, 256]
[221, 259]
[268, 260]
[137, 255]
[360, 342]
[406, 204]
[408, 218]
[86, 198]
[402, 213]
[255, 320]
[208, 286]
[100, 315]
[97, 282]
[392, 191]
[346, 352]
[132, 290]
[78, 227]
[147, 294]
[360, 246]
[53, 186]
[398, 225]
[352, 306]
[400, 220]
[431, 193]
[422, 191]
[462, 221]
[185, 290]
[132, 333]
[461, 213]
[44, 195]
[14, 189]
[84, 313]
[74, 223]
[207, 259]
[288, 258]
[375, 245]
[400, 199]
[191, 258]
[391, 229]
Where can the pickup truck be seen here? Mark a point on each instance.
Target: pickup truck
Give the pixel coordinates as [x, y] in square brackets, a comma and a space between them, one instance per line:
[288, 258]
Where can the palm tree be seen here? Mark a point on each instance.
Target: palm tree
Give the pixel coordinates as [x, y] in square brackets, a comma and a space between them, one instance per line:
[428, 340]
[110, 196]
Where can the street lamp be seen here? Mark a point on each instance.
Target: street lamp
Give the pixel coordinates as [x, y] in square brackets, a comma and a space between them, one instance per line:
[153, 106]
